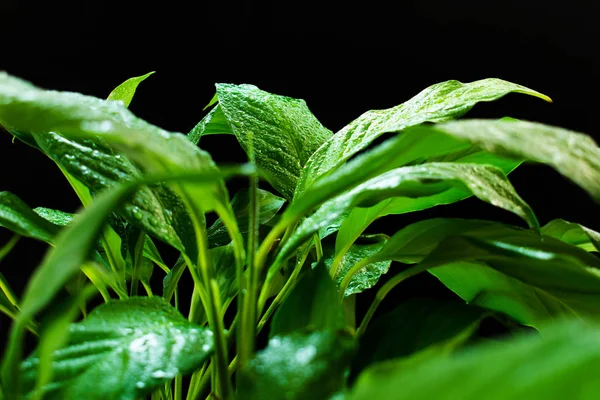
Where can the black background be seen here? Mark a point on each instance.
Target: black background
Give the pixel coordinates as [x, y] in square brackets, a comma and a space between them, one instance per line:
[342, 59]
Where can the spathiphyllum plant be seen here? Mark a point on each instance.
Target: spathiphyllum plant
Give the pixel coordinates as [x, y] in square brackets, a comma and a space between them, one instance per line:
[285, 265]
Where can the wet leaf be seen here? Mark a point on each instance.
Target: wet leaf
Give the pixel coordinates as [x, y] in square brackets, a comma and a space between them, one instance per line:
[123, 350]
[281, 131]
[126, 90]
[297, 367]
[437, 103]
[487, 183]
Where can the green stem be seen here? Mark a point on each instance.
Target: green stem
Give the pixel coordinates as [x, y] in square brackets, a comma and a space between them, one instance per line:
[137, 262]
[282, 295]
[383, 292]
[212, 299]
[318, 246]
[247, 327]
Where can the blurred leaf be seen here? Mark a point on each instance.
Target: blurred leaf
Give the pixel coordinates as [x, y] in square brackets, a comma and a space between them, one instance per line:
[415, 325]
[18, 217]
[557, 365]
[313, 305]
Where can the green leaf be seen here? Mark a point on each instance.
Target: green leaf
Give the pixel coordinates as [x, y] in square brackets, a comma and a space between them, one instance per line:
[437, 103]
[279, 131]
[297, 367]
[19, 218]
[268, 206]
[368, 276]
[502, 268]
[573, 154]
[487, 183]
[123, 350]
[360, 218]
[574, 234]
[125, 91]
[313, 305]
[56, 217]
[214, 123]
[415, 325]
[557, 365]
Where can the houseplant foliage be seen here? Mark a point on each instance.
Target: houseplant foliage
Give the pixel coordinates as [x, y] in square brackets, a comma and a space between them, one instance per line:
[291, 260]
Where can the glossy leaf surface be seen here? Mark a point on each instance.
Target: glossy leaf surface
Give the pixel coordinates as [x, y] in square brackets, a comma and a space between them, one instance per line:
[437, 103]
[487, 183]
[123, 350]
[126, 90]
[281, 131]
[573, 154]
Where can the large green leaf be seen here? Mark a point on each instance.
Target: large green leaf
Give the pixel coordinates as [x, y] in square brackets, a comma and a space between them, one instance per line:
[123, 350]
[360, 218]
[558, 365]
[487, 183]
[572, 233]
[514, 271]
[299, 366]
[573, 154]
[126, 90]
[440, 102]
[312, 305]
[19, 218]
[268, 206]
[415, 325]
[279, 132]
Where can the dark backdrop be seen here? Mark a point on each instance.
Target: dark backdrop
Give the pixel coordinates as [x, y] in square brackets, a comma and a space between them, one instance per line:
[342, 59]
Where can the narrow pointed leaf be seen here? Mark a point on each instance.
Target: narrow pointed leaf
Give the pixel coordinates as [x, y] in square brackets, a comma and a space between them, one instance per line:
[360, 218]
[281, 131]
[126, 90]
[123, 350]
[573, 154]
[487, 183]
[437, 103]
[554, 366]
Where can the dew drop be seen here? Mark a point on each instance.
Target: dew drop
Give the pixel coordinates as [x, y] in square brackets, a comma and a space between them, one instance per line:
[137, 214]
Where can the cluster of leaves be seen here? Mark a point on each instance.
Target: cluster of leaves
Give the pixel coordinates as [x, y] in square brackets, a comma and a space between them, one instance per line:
[295, 263]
